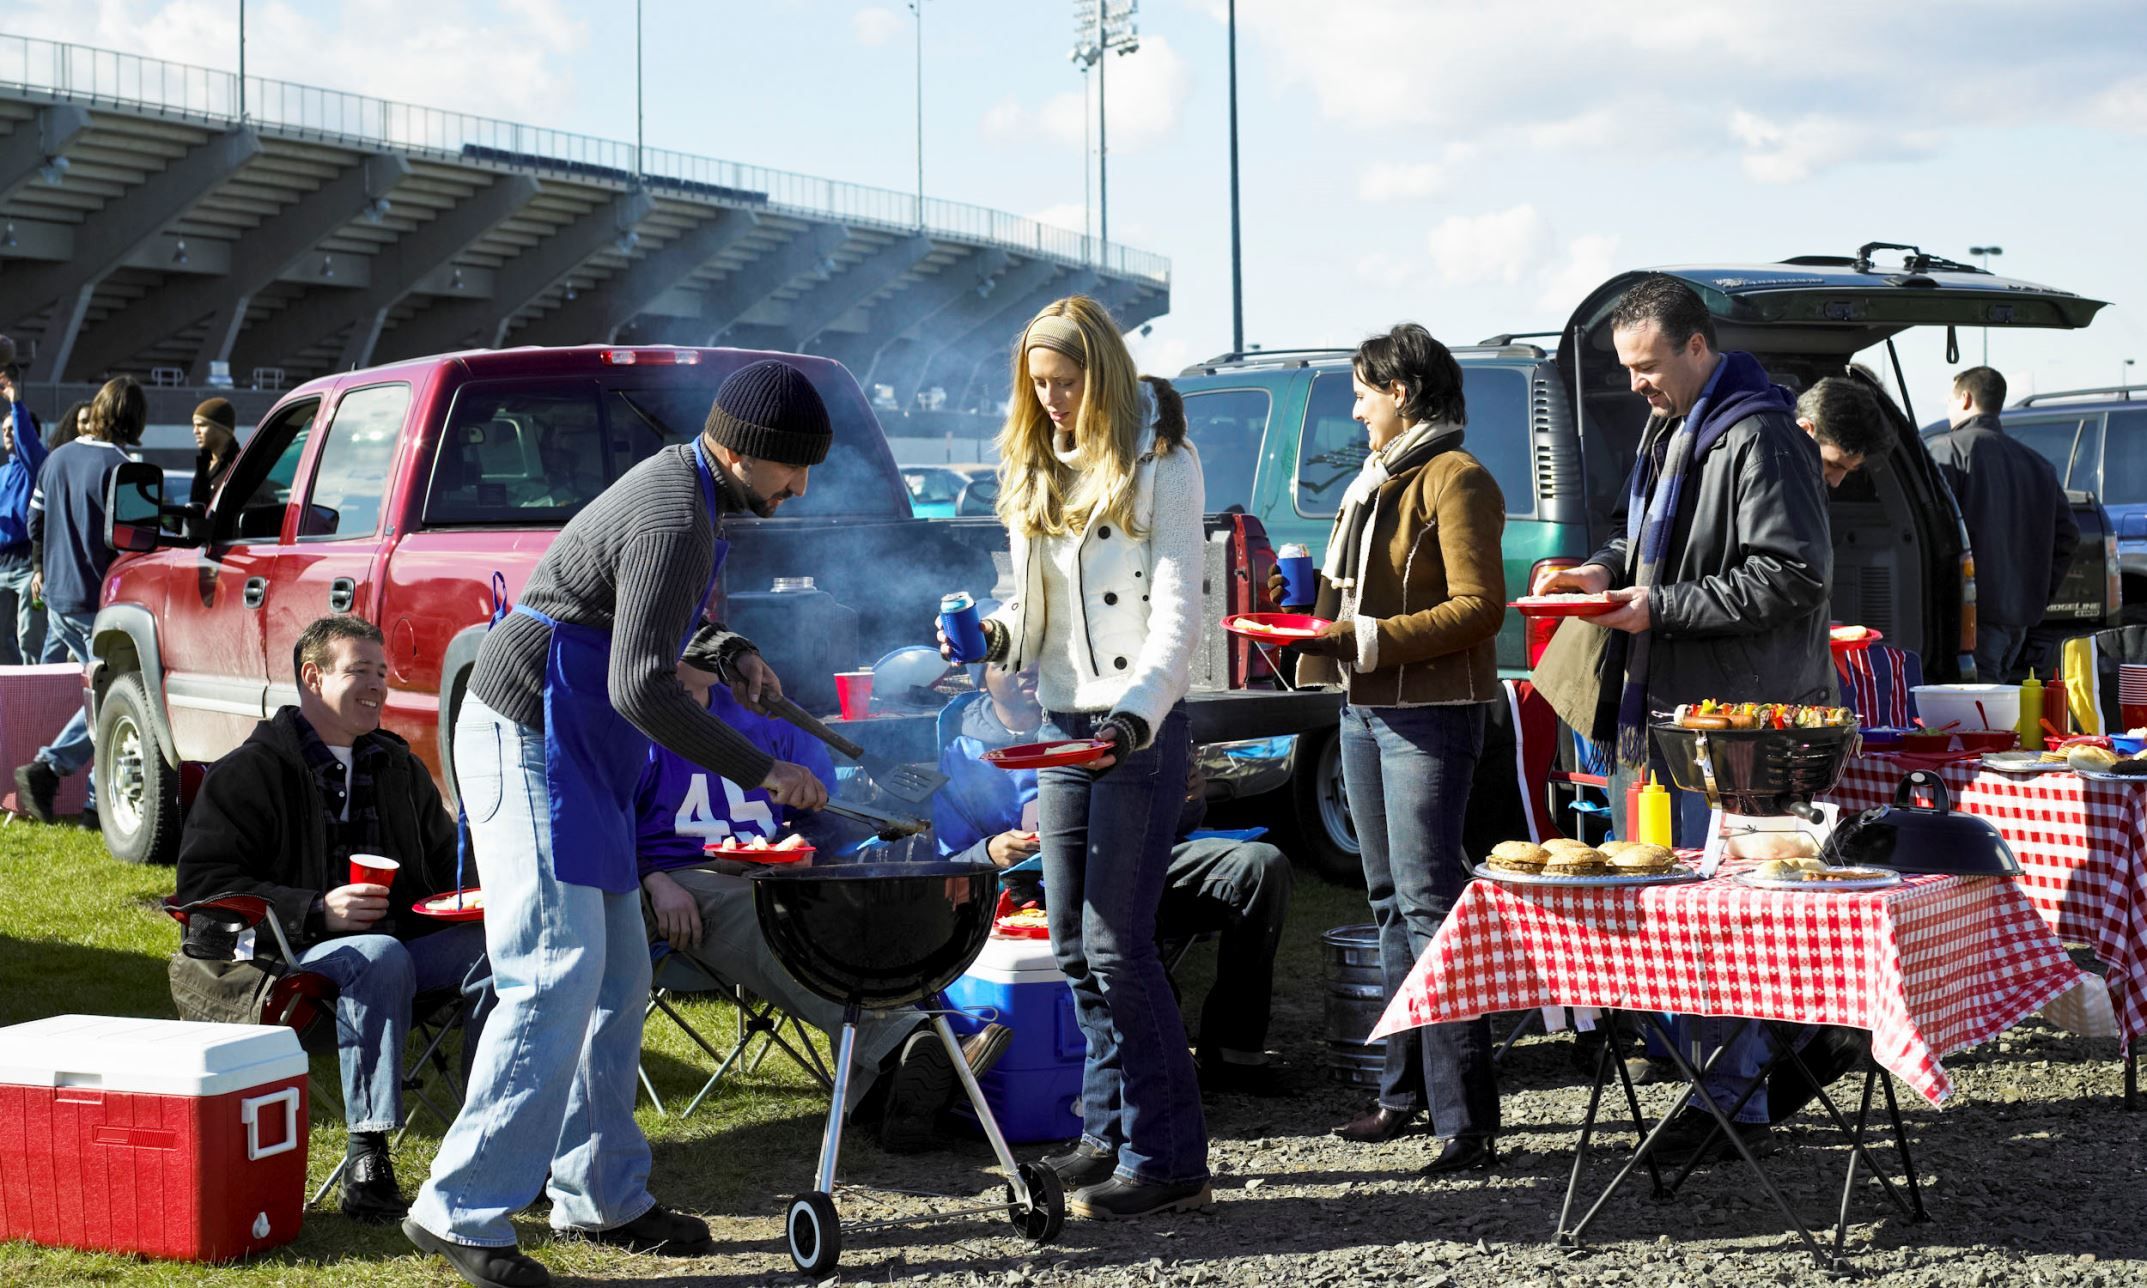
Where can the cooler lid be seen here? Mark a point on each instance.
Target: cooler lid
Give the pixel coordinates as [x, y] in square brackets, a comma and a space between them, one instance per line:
[157, 1057]
[1005, 956]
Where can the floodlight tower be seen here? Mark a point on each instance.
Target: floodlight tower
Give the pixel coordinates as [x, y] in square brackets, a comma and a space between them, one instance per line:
[1103, 27]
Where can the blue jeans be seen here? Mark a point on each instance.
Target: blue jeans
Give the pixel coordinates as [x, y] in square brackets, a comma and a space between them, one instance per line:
[1407, 772]
[553, 1084]
[377, 978]
[26, 643]
[1106, 850]
[69, 633]
[1997, 648]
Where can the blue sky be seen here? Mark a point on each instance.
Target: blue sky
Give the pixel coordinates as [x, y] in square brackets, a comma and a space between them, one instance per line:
[1475, 167]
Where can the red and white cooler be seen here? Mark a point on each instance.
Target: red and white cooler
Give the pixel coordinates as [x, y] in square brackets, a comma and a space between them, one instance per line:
[156, 1137]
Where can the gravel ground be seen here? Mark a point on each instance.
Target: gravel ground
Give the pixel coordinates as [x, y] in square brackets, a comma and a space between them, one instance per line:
[2032, 1175]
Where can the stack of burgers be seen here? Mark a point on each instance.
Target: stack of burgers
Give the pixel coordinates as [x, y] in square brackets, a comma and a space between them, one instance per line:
[1564, 857]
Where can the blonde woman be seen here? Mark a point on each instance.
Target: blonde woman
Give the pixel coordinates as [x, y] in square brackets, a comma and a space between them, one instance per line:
[1102, 497]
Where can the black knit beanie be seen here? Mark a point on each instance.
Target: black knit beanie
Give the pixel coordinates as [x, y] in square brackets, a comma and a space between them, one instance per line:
[771, 412]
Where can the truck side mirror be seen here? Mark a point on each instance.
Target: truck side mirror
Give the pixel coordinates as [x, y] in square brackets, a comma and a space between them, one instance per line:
[134, 508]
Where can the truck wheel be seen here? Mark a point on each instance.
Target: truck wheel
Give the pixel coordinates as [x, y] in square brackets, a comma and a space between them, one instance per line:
[138, 794]
[1326, 837]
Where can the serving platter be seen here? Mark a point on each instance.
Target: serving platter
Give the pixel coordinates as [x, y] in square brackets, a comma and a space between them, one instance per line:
[1883, 881]
[1674, 876]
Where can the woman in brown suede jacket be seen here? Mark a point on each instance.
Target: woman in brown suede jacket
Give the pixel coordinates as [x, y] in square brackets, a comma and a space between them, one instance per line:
[1414, 585]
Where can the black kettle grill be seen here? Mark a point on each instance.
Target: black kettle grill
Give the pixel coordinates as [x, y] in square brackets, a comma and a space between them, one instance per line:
[1757, 772]
[881, 936]
[1908, 837]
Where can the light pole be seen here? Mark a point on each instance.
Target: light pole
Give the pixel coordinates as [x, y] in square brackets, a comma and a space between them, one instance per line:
[1237, 261]
[2124, 379]
[1984, 253]
[242, 62]
[1103, 27]
[640, 170]
[917, 7]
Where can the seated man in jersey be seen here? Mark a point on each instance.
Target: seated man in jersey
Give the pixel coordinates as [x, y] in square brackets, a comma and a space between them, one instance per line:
[1218, 883]
[279, 818]
[703, 905]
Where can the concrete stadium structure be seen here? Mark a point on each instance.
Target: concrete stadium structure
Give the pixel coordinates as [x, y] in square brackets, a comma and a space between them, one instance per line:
[157, 224]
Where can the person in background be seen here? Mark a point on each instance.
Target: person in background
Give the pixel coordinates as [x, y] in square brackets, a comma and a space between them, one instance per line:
[1415, 592]
[1102, 499]
[1844, 418]
[2020, 524]
[1723, 569]
[280, 817]
[69, 553]
[22, 452]
[1237, 889]
[216, 426]
[703, 907]
[69, 428]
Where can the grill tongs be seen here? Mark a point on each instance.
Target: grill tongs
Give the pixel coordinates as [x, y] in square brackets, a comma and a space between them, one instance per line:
[891, 826]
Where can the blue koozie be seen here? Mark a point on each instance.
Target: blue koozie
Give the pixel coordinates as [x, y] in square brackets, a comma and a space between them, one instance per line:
[1300, 577]
[963, 627]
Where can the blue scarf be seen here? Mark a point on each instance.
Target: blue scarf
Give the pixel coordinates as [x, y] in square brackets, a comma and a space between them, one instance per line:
[1738, 388]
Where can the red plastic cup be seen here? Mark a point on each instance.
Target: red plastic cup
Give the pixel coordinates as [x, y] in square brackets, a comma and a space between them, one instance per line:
[853, 689]
[373, 869]
[2134, 714]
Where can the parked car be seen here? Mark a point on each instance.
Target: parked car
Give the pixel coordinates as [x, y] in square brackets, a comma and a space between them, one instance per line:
[1557, 425]
[406, 493]
[2096, 439]
[948, 491]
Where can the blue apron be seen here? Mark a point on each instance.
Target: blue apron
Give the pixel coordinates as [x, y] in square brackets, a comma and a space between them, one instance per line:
[593, 756]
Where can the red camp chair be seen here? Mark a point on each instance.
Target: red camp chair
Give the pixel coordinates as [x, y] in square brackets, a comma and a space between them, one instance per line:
[1537, 738]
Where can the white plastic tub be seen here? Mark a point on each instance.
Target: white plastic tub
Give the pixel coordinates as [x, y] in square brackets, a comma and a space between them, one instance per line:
[1942, 704]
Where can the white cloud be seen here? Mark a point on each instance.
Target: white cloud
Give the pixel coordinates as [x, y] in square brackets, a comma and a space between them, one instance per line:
[1157, 354]
[1498, 246]
[1148, 90]
[1064, 215]
[2123, 106]
[1589, 261]
[1794, 151]
[874, 25]
[1394, 180]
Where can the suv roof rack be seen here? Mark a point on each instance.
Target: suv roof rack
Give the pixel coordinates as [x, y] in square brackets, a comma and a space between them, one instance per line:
[1507, 338]
[1251, 356]
[2123, 393]
[1306, 357]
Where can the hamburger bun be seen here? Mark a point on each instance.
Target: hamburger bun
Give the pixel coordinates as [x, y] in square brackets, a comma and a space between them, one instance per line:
[1519, 856]
[1642, 858]
[1567, 845]
[1613, 849]
[1582, 862]
[2090, 758]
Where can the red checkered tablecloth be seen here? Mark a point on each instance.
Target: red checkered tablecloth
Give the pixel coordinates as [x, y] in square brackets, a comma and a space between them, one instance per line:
[1930, 966]
[2082, 846]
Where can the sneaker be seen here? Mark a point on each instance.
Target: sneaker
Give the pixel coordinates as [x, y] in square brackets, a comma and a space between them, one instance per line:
[36, 786]
[370, 1194]
[485, 1267]
[658, 1230]
[1082, 1166]
[924, 1084]
[1119, 1199]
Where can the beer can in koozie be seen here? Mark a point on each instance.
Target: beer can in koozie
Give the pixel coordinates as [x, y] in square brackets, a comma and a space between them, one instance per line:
[1300, 576]
[964, 628]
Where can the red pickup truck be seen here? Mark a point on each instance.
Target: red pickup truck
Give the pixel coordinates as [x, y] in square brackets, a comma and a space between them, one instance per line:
[404, 493]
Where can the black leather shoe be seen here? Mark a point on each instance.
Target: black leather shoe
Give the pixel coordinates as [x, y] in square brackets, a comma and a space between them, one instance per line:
[658, 1230]
[1119, 1199]
[1220, 1076]
[370, 1194]
[1082, 1166]
[36, 787]
[1463, 1154]
[485, 1267]
[1376, 1125]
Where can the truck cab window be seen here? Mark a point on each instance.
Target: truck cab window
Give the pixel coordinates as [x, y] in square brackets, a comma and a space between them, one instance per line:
[1227, 427]
[1332, 448]
[2053, 440]
[2124, 459]
[352, 474]
[265, 481]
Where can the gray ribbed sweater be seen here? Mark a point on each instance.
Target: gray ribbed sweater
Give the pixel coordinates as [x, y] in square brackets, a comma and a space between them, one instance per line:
[633, 563]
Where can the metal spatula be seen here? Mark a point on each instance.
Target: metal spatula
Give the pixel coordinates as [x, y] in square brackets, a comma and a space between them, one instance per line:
[908, 782]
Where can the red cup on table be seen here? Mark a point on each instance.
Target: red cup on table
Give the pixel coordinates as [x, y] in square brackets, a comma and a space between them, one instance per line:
[853, 689]
[373, 869]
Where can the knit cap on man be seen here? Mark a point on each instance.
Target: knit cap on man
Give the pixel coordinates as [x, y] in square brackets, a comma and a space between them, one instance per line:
[771, 412]
[218, 411]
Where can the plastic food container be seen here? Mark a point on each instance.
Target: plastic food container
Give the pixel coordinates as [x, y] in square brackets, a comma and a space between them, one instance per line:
[1942, 704]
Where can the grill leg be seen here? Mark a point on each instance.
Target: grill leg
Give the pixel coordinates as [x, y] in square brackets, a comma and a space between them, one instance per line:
[984, 1114]
[831, 1139]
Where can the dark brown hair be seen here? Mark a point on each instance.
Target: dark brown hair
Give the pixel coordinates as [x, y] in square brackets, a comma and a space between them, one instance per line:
[1846, 414]
[1984, 385]
[118, 412]
[1429, 376]
[1675, 308]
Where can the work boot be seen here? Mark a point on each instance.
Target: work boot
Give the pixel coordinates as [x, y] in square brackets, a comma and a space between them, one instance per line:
[1082, 1166]
[658, 1230]
[1119, 1199]
[485, 1267]
[36, 786]
[370, 1194]
[924, 1084]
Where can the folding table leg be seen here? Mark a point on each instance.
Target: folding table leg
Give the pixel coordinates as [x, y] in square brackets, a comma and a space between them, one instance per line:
[1499, 1056]
[2132, 1077]
[1632, 1100]
[1857, 1147]
[1908, 1164]
[1571, 1237]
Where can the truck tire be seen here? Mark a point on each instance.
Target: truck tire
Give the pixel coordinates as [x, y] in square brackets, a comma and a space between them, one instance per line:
[1326, 838]
[138, 794]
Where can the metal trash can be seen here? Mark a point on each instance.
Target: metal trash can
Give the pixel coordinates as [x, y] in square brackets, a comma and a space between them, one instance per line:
[1356, 998]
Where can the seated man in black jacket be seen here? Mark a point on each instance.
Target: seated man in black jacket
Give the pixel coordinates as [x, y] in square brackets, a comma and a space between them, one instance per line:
[281, 816]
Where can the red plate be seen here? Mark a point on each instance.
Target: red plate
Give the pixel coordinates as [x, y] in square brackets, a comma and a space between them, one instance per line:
[1047, 755]
[1843, 647]
[1544, 606]
[1262, 626]
[447, 907]
[795, 854]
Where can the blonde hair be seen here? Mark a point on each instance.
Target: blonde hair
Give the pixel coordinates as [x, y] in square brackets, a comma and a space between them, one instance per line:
[1038, 494]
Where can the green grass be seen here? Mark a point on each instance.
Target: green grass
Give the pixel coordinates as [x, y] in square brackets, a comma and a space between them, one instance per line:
[81, 932]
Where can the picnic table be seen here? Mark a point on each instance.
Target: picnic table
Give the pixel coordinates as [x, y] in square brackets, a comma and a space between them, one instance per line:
[1929, 966]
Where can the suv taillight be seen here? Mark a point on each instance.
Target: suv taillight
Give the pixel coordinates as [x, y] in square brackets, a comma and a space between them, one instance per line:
[1541, 629]
[1968, 604]
[2113, 582]
[650, 357]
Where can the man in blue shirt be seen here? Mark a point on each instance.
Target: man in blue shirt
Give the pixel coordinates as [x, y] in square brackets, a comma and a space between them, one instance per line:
[703, 907]
[1217, 883]
[22, 451]
[70, 558]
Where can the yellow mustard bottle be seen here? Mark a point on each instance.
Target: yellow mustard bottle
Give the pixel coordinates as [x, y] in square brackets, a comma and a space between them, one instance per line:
[2031, 713]
[1654, 826]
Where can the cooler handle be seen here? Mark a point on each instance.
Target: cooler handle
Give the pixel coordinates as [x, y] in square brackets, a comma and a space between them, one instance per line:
[250, 1114]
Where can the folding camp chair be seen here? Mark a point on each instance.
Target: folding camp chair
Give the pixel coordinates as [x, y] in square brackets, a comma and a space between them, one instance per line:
[1878, 683]
[1537, 733]
[304, 1002]
[759, 1021]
